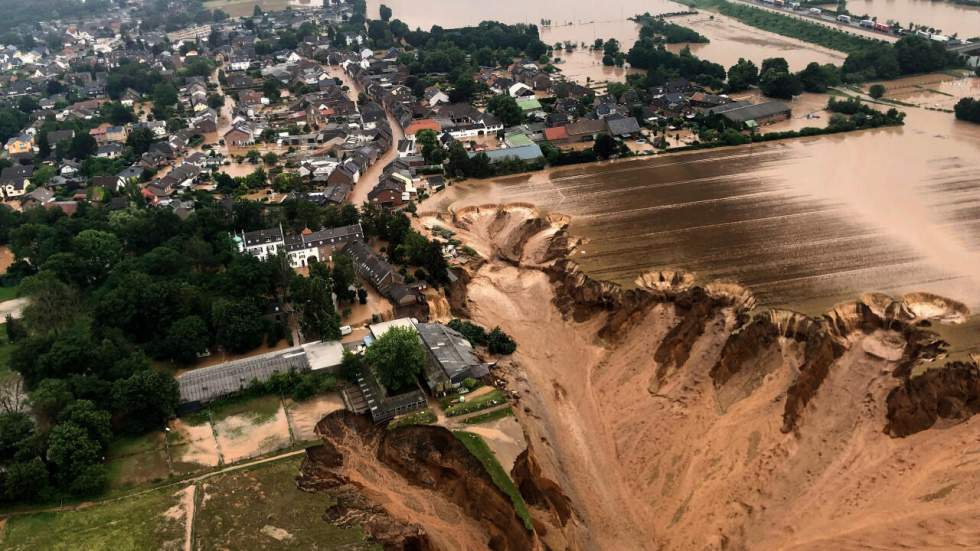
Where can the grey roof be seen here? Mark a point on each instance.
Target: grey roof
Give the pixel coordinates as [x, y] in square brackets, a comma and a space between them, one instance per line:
[330, 236]
[523, 153]
[623, 127]
[452, 352]
[741, 111]
[206, 384]
[370, 265]
[262, 237]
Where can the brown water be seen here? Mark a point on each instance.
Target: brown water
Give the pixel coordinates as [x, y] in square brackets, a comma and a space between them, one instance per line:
[803, 223]
[583, 22]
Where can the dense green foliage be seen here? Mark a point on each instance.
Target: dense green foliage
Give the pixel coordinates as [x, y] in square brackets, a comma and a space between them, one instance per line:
[659, 29]
[662, 65]
[110, 291]
[405, 245]
[968, 109]
[742, 75]
[496, 341]
[786, 26]
[506, 109]
[17, 12]
[397, 357]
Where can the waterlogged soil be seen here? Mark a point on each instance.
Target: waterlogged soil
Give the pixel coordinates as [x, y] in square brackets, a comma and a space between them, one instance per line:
[192, 447]
[304, 416]
[248, 435]
[803, 223]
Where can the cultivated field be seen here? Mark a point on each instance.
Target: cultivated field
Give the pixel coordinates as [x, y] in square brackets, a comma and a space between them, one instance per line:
[243, 8]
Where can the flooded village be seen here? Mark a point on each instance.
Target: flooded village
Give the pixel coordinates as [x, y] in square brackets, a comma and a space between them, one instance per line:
[431, 274]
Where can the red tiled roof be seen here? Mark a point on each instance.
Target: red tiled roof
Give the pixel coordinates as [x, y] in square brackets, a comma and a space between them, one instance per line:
[555, 133]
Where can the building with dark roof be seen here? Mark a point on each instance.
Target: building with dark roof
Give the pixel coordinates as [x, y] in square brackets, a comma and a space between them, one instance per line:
[299, 248]
[748, 114]
[451, 358]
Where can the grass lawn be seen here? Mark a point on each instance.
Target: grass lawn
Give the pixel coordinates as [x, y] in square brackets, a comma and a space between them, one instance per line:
[424, 417]
[482, 451]
[254, 508]
[488, 400]
[259, 409]
[245, 8]
[137, 460]
[7, 293]
[488, 417]
[134, 523]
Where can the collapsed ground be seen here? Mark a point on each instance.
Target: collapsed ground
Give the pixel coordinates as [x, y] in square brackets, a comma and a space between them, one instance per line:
[671, 418]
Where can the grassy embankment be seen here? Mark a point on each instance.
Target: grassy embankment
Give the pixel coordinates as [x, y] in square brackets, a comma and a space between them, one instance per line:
[424, 417]
[791, 27]
[482, 451]
[488, 400]
[489, 417]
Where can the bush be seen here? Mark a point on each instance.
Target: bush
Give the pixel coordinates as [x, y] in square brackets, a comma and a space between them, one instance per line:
[968, 109]
[877, 91]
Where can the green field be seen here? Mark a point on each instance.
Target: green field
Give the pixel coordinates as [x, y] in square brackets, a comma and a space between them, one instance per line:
[490, 416]
[245, 8]
[137, 460]
[424, 417]
[482, 451]
[8, 293]
[488, 400]
[240, 510]
[133, 523]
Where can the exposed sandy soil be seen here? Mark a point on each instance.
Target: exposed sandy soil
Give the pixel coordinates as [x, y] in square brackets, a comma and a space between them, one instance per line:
[243, 436]
[197, 444]
[663, 454]
[6, 259]
[184, 511]
[304, 416]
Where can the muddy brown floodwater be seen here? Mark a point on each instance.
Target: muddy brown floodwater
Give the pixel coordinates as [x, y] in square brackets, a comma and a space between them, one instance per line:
[803, 223]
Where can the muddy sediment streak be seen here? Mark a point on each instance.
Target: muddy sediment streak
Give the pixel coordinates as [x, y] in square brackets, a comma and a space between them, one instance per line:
[673, 415]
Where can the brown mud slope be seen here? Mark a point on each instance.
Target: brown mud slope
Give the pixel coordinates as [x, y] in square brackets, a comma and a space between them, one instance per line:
[415, 488]
[673, 416]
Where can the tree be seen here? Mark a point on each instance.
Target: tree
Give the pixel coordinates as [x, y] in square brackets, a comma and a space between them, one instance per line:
[778, 64]
[50, 396]
[25, 479]
[186, 338]
[164, 95]
[145, 400]
[140, 139]
[968, 109]
[99, 251]
[876, 91]
[312, 297]
[398, 358]
[16, 430]
[238, 325]
[817, 78]
[604, 146]
[343, 277]
[385, 13]
[82, 146]
[270, 158]
[72, 451]
[86, 415]
[253, 156]
[742, 75]
[499, 342]
[506, 109]
[781, 85]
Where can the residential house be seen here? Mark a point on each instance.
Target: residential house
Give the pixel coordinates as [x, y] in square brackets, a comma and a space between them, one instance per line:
[14, 180]
[22, 143]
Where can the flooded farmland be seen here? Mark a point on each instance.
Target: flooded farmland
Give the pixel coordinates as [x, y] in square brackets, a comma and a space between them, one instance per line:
[803, 223]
